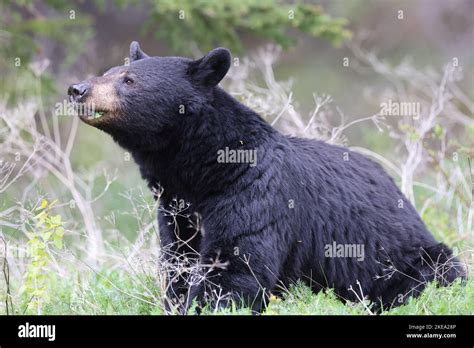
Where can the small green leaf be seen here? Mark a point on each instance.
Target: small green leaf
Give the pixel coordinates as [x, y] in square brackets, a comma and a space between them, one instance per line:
[59, 231]
[56, 219]
[43, 204]
[46, 236]
[58, 243]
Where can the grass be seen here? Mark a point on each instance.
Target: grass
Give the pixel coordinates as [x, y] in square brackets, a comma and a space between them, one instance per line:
[118, 292]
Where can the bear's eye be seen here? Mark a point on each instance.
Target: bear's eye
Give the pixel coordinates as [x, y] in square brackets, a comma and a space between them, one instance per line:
[128, 81]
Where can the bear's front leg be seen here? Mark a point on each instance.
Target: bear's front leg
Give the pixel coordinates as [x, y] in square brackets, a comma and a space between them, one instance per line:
[235, 273]
[179, 238]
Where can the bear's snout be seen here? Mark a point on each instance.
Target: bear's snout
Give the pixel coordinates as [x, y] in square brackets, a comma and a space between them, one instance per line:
[78, 92]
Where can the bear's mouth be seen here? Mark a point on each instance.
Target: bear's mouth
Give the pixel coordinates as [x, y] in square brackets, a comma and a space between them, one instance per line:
[90, 114]
[93, 115]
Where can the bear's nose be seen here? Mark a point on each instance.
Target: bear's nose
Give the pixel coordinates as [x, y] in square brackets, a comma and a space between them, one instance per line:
[78, 91]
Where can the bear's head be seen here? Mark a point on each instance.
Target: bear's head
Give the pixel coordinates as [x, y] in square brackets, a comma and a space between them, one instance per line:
[150, 95]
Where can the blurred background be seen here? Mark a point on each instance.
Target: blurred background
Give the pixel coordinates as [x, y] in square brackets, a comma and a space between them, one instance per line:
[313, 68]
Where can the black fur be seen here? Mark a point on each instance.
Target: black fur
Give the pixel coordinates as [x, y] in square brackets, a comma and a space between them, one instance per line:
[279, 215]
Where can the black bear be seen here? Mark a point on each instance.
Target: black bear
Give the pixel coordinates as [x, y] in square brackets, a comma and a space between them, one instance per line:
[261, 210]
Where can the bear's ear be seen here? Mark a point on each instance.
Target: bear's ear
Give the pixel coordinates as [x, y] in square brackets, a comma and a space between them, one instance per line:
[211, 69]
[136, 53]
